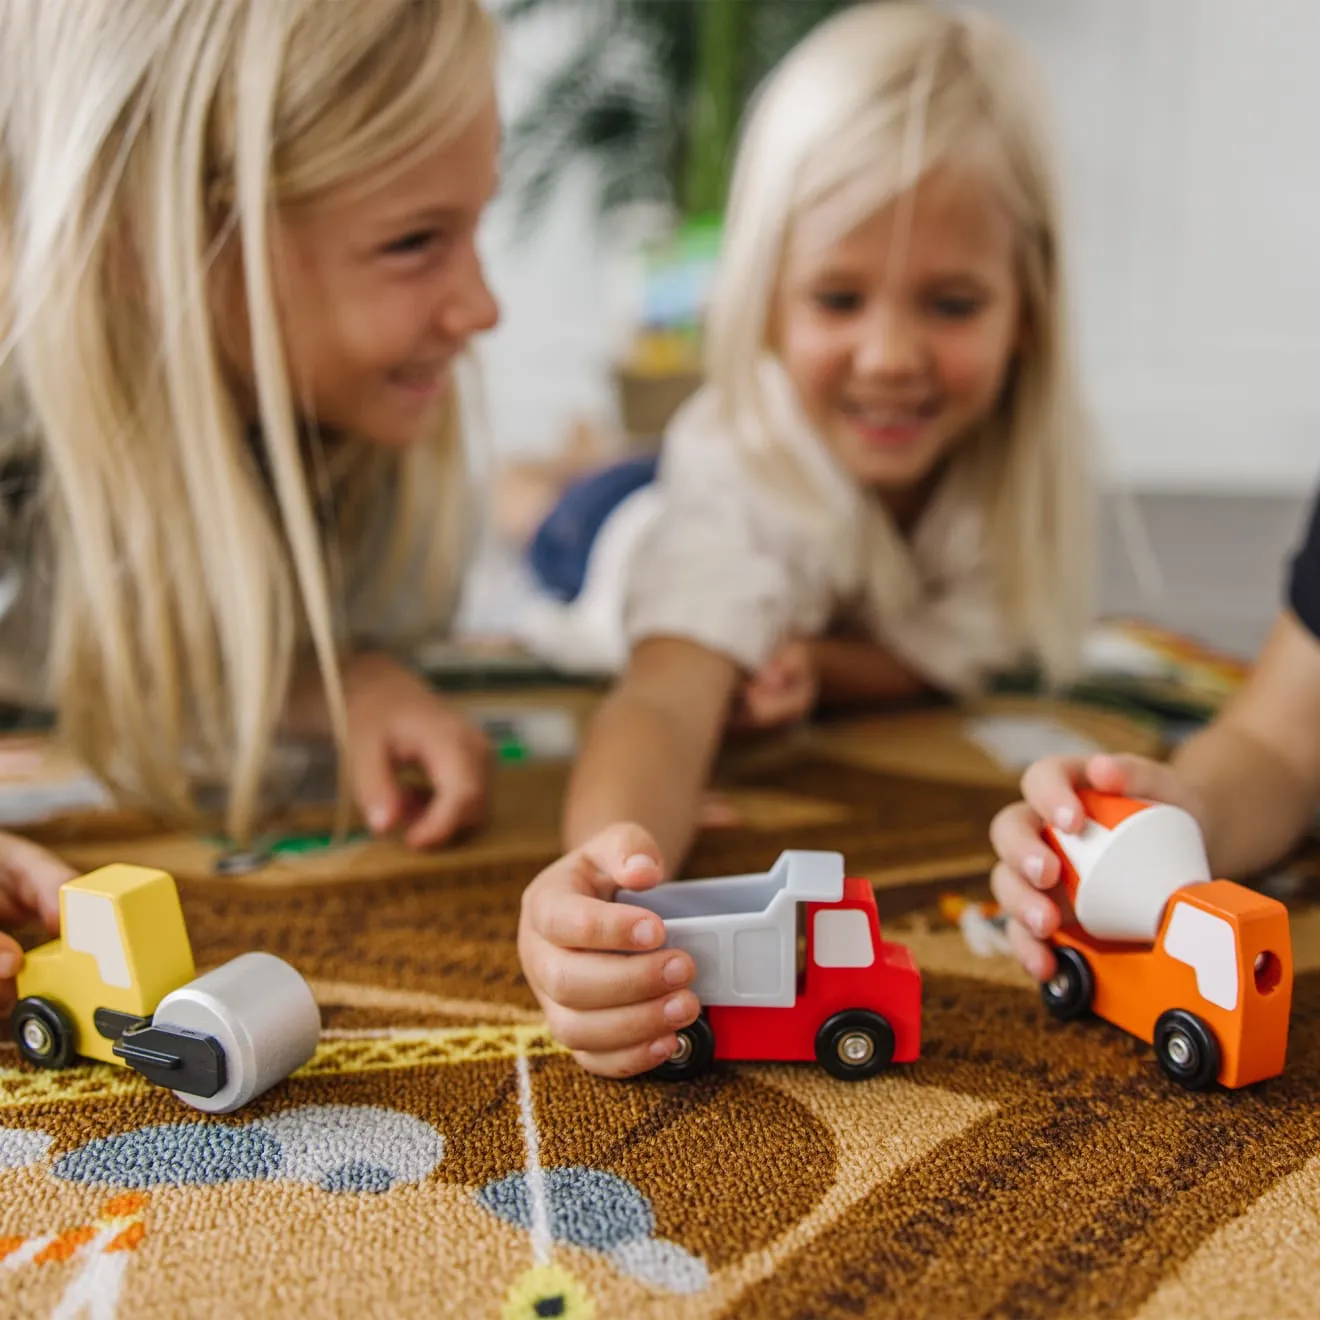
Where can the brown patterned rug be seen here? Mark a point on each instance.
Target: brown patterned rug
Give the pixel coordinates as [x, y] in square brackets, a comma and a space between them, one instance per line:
[439, 1156]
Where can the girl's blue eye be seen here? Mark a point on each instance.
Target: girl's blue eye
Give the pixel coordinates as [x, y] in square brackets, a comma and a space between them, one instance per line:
[418, 241]
[955, 308]
[837, 300]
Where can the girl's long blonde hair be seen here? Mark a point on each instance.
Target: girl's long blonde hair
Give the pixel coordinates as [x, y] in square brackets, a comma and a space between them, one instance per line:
[873, 99]
[139, 137]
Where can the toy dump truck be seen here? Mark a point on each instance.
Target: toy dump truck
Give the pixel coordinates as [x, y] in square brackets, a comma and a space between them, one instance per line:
[790, 966]
[1199, 968]
[119, 987]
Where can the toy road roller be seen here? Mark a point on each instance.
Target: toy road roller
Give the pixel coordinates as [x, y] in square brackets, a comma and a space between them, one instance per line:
[119, 986]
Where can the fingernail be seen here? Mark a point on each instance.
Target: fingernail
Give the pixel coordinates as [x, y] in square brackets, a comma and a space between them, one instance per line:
[676, 1010]
[378, 818]
[1064, 818]
[675, 971]
[9, 964]
[1038, 919]
[638, 862]
[1034, 867]
[662, 1049]
[644, 933]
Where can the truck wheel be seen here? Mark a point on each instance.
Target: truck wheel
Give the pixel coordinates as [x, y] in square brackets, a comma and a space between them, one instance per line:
[695, 1053]
[1187, 1049]
[1067, 994]
[854, 1045]
[43, 1033]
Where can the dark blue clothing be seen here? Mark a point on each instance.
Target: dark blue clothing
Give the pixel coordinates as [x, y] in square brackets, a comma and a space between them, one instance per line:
[559, 551]
[1304, 577]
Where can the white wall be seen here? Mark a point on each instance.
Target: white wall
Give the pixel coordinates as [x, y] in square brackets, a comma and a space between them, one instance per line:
[1188, 132]
[1194, 192]
[548, 360]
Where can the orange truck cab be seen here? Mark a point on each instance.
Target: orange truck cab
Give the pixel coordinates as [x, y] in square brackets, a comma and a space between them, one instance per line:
[1201, 969]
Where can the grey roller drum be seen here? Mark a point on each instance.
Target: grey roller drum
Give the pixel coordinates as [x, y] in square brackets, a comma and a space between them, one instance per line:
[261, 1014]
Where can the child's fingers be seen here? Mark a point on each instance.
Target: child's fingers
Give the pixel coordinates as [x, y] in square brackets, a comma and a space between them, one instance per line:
[1016, 838]
[1034, 955]
[1022, 902]
[1139, 777]
[628, 1062]
[11, 959]
[37, 875]
[610, 1029]
[579, 921]
[588, 981]
[1049, 785]
[624, 857]
[769, 708]
[458, 797]
[374, 783]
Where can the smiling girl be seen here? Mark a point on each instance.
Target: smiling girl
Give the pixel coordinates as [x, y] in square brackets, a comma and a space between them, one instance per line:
[237, 264]
[882, 489]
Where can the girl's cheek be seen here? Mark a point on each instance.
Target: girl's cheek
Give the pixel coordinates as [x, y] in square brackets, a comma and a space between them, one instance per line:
[973, 366]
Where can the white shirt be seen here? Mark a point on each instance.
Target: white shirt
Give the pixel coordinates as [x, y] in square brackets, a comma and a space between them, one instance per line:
[739, 564]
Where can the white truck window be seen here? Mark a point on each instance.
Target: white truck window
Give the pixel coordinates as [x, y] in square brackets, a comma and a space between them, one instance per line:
[842, 938]
[1205, 943]
[90, 927]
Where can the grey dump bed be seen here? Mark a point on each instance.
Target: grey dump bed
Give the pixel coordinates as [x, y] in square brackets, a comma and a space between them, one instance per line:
[741, 930]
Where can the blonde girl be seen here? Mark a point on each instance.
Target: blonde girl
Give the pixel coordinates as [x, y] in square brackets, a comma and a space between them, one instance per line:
[237, 271]
[883, 487]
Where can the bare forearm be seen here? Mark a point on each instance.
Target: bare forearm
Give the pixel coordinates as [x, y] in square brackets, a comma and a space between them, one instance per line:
[1255, 807]
[853, 672]
[640, 764]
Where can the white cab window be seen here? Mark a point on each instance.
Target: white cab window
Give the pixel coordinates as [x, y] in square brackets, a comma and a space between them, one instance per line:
[842, 938]
[1205, 943]
[90, 927]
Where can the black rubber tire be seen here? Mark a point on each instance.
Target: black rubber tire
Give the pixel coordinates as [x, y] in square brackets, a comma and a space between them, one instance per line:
[1067, 994]
[1187, 1050]
[695, 1054]
[50, 1021]
[854, 1025]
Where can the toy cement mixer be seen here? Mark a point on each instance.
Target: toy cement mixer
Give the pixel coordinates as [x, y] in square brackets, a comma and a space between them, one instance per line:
[1199, 968]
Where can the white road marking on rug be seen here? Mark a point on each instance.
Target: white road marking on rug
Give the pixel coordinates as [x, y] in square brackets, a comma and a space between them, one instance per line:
[95, 1289]
[539, 1207]
[21, 1255]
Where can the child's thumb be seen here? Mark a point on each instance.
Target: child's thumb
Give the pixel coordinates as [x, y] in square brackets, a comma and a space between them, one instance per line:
[1139, 777]
[11, 957]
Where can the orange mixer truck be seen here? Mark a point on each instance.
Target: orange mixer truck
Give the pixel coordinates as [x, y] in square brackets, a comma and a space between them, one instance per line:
[1199, 968]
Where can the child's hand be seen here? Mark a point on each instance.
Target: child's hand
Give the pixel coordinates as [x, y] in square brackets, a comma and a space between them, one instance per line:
[613, 1005]
[785, 689]
[30, 880]
[1028, 865]
[394, 720]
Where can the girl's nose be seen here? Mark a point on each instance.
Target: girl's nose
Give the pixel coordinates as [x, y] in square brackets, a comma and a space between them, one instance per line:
[469, 307]
[889, 346]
